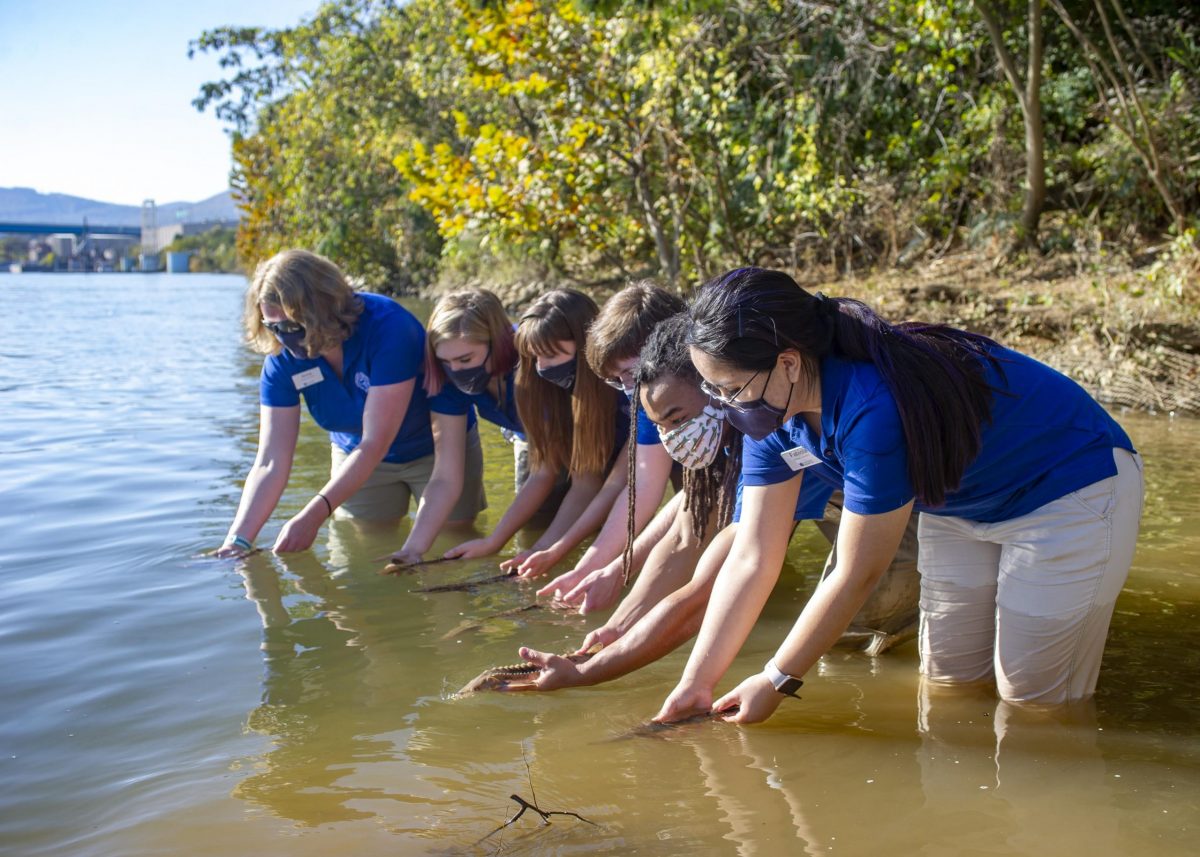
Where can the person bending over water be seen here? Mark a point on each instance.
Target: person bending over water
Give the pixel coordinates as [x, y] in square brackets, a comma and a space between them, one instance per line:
[571, 418]
[680, 553]
[1029, 493]
[470, 369]
[615, 339]
[355, 360]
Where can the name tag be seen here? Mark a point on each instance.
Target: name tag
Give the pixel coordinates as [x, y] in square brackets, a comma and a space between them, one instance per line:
[799, 458]
[307, 378]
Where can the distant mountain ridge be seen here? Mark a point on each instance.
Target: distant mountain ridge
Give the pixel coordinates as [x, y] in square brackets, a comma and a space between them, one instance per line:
[26, 205]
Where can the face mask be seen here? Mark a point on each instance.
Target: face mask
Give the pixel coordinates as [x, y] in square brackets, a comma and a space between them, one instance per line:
[694, 444]
[562, 375]
[293, 342]
[471, 381]
[757, 419]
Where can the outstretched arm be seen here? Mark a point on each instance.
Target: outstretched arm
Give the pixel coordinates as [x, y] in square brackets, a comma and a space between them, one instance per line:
[278, 429]
[444, 488]
[385, 408]
[670, 623]
[865, 547]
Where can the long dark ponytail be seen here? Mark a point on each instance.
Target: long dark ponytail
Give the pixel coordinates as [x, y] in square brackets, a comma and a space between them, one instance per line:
[746, 317]
[707, 490]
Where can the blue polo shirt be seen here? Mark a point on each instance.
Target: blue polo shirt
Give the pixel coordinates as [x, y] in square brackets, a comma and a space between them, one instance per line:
[387, 346]
[1047, 437]
[451, 400]
[815, 491]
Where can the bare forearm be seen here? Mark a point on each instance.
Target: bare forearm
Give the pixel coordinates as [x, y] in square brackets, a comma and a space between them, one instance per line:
[524, 506]
[437, 501]
[576, 501]
[670, 624]
[264, 486]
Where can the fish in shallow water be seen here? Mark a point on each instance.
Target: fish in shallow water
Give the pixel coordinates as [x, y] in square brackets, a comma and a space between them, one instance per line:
[512, 677]
[653, 728]
[469, 585]
[468, 625]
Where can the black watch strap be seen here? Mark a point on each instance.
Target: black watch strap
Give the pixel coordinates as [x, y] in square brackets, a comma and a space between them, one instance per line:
[781, 681]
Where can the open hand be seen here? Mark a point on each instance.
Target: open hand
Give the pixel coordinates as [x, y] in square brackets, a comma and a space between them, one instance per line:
[755, 699]
[298, 533]
[555, 670]
[472, 549]
[685, 700]
[602, 636]
[538, 563]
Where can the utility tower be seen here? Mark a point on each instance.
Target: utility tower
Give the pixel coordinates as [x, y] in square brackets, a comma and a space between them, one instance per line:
[149, 227]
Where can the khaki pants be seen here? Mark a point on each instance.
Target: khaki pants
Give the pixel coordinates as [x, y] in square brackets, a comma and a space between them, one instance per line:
[386, 493]
[1029, 601]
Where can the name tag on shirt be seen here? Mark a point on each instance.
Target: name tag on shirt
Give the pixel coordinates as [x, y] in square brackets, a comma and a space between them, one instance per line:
[799, 458]
[309, 377]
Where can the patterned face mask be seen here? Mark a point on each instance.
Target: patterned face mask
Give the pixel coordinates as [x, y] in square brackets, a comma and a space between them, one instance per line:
[694, 443]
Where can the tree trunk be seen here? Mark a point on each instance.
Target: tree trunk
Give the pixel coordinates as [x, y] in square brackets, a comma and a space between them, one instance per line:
[1029, 97]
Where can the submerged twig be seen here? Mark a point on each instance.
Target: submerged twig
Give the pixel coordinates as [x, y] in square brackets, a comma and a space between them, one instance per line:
[524, 804]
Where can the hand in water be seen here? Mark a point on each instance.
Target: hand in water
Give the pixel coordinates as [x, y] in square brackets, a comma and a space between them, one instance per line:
[591, 589]
[755, 699]
[538, 563]
[515, 562]
[299, 533]
[472, 549]
[405, 556]
[602, 636]
[555, 671]
[685, 700]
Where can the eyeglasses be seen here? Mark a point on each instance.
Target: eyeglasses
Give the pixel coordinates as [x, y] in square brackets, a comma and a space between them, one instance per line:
[730, 400]
[618, 381]
[283, 328]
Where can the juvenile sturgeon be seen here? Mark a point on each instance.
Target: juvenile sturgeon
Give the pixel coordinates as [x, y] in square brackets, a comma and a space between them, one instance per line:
[653, 728]
[469, 585]
[475, 624]
[512, 677]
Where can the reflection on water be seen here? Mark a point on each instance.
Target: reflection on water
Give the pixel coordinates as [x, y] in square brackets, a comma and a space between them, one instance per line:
[152, 702]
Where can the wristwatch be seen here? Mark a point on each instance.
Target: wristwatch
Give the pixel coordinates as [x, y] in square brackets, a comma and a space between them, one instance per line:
[781, 681]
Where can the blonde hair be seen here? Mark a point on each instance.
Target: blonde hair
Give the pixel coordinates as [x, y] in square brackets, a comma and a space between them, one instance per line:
[312, 291]
[474, 314]
[625, 323]
[576, 430]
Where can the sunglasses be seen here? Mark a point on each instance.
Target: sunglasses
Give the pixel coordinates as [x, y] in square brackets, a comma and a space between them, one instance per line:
[283, 328]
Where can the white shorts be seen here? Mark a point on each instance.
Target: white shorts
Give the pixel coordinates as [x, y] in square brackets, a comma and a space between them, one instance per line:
[1028, 601]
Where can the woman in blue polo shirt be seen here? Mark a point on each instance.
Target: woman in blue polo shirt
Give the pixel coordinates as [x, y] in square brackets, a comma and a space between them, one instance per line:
[355, 359]
[470, 364]
[1029, 494]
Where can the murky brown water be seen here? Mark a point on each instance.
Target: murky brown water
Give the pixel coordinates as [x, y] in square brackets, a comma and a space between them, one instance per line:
[154, 703]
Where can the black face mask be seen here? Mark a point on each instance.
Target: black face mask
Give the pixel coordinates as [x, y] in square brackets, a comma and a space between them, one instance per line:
[293, 342]
[471, 381]
[759, 418]
[562, 375]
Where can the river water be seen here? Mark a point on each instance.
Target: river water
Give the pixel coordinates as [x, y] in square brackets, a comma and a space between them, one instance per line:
[155, 702]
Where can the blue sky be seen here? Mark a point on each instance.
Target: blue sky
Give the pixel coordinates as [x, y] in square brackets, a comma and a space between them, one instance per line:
[95, 97]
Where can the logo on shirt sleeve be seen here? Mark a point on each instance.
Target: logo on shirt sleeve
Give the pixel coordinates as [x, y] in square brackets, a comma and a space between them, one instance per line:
[362, 381]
